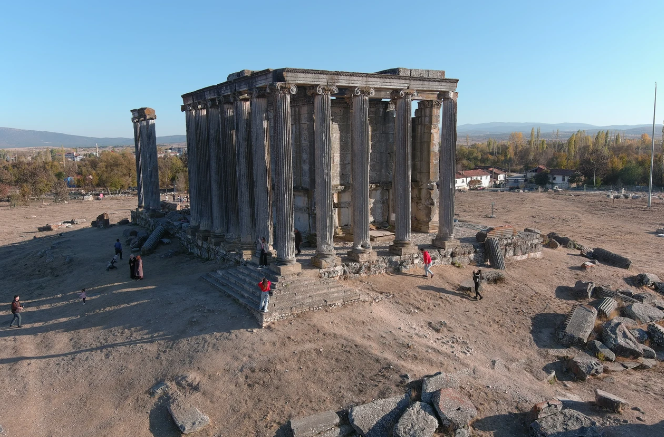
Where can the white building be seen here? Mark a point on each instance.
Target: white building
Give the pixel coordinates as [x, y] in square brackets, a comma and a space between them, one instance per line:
[463, 178]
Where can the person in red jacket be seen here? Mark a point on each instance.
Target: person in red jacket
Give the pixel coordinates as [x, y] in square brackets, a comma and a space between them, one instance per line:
[265, 286]
[427, 263]
[16, 311]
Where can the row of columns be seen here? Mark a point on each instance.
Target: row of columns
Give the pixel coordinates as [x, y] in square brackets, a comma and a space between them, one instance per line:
[233, 186]
[147, 167]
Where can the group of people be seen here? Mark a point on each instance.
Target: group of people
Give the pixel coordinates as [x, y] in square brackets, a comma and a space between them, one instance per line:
[135, 262]
[477, 275]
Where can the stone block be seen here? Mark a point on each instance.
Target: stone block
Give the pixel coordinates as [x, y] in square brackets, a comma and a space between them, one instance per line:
[616, 336]
[611, 258]
[656, 333]
[646, 363]
[640, 335]
[584, 366]
[566, 423]
[600, 351]
[646, 279]
[607, 307]
[546, 408]
[314, 425]
[643, 313]
[432, 384]
[584, 290]
[448, 244]
[402, 250]
[286, 269]
[649, 352]
[578, 325]
[188, 418]
[325, 262]
[609, 401]
[377, 418]
[613, 367]
[362, 256]
[454, 409]
[419, 420]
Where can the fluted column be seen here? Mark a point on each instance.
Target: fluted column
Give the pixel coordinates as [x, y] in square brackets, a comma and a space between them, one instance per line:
[244, 173]
[228, 174]
[447, 171]
[283, 179]
[325, 254]
[361, 148]
[203, 165]
[261, 166]
[214, 141]
[137, 153]
[402, 173]
[147, 165]
[192, 168]
[425, 166]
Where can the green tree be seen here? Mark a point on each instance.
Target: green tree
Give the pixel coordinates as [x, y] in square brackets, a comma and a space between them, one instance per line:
[542, 178]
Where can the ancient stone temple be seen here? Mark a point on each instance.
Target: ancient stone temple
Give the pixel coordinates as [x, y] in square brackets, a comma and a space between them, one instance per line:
[326, 152]
[147, 168]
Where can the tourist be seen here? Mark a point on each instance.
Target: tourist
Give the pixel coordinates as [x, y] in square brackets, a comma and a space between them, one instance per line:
[132, 266]
[16, 311]
[265, 286]
[83, 295]
[138, 268]
[262, 248]
[427, 263]
[298, 241]
[118, 248]
[477, 279]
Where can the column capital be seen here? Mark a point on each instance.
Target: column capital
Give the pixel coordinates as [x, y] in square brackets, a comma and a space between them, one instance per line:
[363, 91]
[258, 92]
[241, 95]
[212, 103]
[142, 114]
[282, 88]
[322, 90]
[401, 94]
[448, 95]
[430, 103]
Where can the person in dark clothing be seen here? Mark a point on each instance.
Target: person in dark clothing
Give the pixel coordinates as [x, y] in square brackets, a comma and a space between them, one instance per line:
[118, 248]
[298, 241]
[477, 279]
[132, 266]
[16, 311]
[262, 246]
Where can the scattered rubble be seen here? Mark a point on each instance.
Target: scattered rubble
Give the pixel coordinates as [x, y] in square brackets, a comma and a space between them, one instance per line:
[646, 279]
[454, 409]
[187, 417]
[316, 424]
[377, 418]
[584, 366]
[616, 336]
[432, 384]
[611, 258]
[584, 290]
[600, 351]
[609, 401]
[565, 423]
[577, 327]
[419, 420]
[643, 313]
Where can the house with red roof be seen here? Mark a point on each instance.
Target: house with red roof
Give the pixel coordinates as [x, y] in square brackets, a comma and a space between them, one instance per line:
[462, 180]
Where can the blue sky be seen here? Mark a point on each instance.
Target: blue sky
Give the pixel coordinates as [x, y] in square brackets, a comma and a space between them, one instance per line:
[79, 67]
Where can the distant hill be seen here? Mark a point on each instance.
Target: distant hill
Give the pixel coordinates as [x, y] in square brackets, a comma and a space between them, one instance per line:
[500, 131]
[15, 138]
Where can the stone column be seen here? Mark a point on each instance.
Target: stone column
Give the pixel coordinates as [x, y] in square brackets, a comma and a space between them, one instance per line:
[261, 167]
[361, 148]
[325, 254]
[203, 167]
[192, 168]
[228, 173]
[147, 149]
[137, 153]
[283, 179]
[244, 171]
[447, 170]
[402, 173]
[214, 141]
[426, 143]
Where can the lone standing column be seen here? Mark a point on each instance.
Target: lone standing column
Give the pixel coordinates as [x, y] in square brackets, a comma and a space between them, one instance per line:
[402, 173]
[243, 170]
[137, 153]
[214, 140]
[447, 170]
[192, 167]
[325, 254]
[261, 166]
[360, 175]
[147, 147]
[203, 164]
[283, 180]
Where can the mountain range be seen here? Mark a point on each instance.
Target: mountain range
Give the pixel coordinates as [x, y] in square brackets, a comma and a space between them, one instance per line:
[18, 138]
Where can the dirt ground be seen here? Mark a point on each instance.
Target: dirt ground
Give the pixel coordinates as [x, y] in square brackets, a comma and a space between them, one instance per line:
[86, 370]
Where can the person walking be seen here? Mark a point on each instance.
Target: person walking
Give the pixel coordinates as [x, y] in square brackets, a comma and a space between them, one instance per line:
[427, 263]
[118, 248]
[262, 248]
[298, 241]
[477, 279]
[83, 295]
[16, 311]
[132, 266]
[138, 267]
[265, 287]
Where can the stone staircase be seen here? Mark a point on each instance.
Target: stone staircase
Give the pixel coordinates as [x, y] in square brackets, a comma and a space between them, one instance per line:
[291, 295]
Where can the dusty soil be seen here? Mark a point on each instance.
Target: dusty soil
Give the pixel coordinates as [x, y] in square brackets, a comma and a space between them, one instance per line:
[86, 370]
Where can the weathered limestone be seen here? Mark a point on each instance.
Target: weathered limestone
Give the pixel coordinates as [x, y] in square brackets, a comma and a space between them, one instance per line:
[192, 167]
[402, 174]
[360, 175]
[609, 401]
[377, 418]
[244, 173]
[600, 351]
[314, 425]
[419, 420]
[578, 325]
[566, 423]
[325, 254]
[187, 417]
[607, 306]
[454, 409]
[426, 140]
[203, 182]
[584, 366]
[432, 384]
[447, 171]
[145, 141]
[261, 162]
[229, 180]
[283, 179]
[643, 313]
[617, 337]
[214, 140]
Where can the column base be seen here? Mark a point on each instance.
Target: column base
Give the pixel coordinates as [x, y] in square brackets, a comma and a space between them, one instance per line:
[324, 261]
[202, 236]
[445, 242]
[286, 269]
[402, 248]
[362, 255]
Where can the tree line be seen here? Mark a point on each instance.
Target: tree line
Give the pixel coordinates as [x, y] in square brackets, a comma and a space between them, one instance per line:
[606, 158]
[33, 174]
